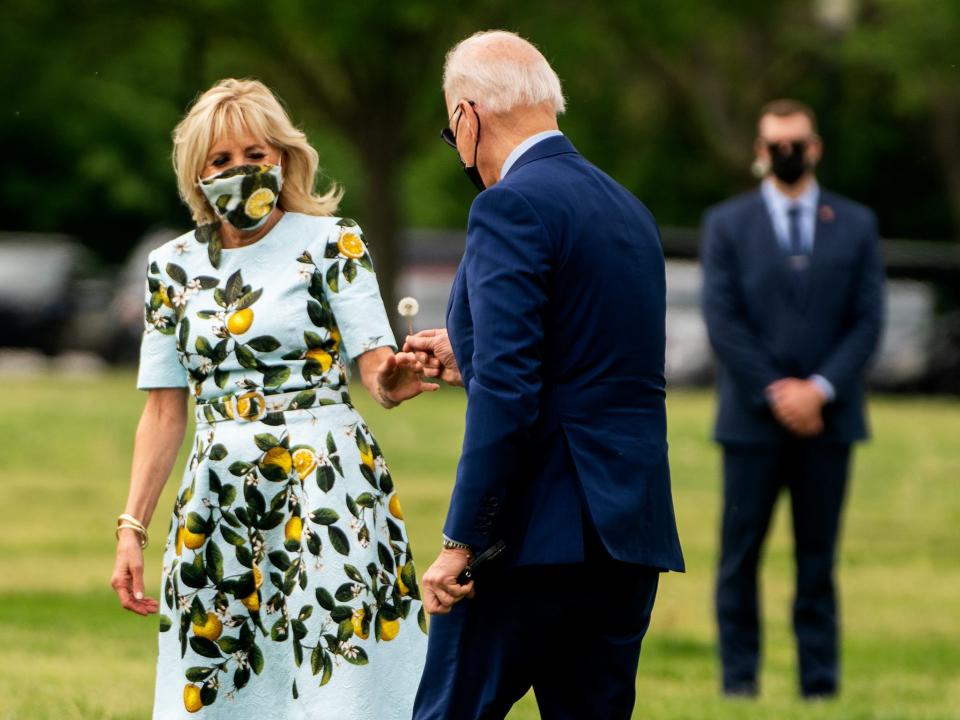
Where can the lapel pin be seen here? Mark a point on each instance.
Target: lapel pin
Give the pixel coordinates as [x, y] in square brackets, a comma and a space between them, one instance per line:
[827, 214]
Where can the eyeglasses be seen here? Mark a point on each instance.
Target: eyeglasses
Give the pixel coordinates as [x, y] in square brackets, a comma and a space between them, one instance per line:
[450, 136]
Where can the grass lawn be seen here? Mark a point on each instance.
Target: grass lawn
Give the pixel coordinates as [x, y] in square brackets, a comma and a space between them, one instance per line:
[69, 651]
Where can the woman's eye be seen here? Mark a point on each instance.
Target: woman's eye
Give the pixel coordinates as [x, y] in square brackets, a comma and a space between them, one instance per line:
[257, 155]
[219, 161]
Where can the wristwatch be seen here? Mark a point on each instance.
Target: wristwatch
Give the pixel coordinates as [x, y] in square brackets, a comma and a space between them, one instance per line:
[449, 544]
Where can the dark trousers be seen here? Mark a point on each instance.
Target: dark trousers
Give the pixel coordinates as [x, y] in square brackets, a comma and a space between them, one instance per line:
[571, 632]
[815, 474]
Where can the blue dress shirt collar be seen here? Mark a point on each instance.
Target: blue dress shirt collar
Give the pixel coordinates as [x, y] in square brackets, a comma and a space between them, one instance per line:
[523, 147]
[778, 206]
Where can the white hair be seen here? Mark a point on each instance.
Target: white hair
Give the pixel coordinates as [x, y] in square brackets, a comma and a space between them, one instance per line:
[499, 70]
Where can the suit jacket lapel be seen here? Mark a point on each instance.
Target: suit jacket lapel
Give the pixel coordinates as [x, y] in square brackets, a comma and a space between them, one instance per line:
[768, 247]
[453, 294]
[824, 238]
[460, 325]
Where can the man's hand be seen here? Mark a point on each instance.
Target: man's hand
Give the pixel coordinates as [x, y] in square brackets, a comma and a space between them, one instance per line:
[399, 378]
[432, 349]
[797, 405]
[441, 591]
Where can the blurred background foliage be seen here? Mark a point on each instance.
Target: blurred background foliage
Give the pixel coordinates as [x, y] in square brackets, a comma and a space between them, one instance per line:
[663, 94]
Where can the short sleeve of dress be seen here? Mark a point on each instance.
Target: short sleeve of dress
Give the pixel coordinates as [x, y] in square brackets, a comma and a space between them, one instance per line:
[351, 287]
[159, 360]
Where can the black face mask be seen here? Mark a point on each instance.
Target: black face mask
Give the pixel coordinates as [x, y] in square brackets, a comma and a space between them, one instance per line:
[788, 166]
[474, 174]
[450, 138]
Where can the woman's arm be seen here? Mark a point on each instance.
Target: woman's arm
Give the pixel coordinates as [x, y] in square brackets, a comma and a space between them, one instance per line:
[392, 378]
[159, 436]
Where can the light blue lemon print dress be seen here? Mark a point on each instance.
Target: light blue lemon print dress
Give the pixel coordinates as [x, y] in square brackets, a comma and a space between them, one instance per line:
[288, 586]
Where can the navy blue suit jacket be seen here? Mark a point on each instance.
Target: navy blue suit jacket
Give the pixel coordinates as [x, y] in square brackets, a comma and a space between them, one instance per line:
[765, 325]
[556, 318]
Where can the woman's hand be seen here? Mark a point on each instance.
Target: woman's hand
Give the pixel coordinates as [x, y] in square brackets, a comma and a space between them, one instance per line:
[392, 378]
[127, 578]
[400, 378]
[159, 435]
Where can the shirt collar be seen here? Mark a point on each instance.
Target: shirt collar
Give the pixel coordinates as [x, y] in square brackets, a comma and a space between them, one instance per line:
[779, 202]
[523, 147]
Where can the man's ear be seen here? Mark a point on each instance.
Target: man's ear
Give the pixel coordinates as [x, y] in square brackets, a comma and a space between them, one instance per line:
[761, 160]
[815, 150]
[469, 118]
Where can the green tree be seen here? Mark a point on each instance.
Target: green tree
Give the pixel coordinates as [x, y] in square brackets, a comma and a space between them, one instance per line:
[915, 43]
[665, 94]
[662, 94]
[87, 114]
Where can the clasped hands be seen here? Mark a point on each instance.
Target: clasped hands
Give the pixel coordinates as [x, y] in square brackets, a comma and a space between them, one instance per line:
[399, 376]
[797, 405]
[433, 351]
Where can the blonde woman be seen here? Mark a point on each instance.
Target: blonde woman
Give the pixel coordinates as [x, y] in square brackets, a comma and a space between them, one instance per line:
[288, 586]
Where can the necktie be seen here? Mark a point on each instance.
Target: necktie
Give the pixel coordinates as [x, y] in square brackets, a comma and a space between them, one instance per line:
[798, 253]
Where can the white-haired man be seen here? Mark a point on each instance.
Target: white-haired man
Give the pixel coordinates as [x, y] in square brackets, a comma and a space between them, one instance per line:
[556, 331]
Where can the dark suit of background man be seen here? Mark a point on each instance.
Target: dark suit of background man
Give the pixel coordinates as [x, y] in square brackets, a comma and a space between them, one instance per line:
[793, 300]
[556, 320]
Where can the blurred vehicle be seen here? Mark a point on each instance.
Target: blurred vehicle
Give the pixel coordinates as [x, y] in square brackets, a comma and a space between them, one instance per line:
[944, 375]
[39, 277]
[126, 307]
[689, 358]
[430, 260]
[903, 360]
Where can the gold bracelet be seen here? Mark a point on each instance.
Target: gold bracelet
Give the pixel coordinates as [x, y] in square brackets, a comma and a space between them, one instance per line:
[130, 519]
[144, 541]
[126, 521]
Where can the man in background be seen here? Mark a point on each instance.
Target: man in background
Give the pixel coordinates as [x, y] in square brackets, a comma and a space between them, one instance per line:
[793, 301]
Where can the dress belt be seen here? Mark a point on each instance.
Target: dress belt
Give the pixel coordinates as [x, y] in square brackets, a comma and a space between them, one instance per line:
[254, 405]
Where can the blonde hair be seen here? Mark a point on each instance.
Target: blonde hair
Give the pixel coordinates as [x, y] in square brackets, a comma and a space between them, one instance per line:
[247, 105]
[500, 70]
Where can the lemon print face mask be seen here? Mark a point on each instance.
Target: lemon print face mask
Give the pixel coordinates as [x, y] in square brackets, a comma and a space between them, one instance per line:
[245, 195]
